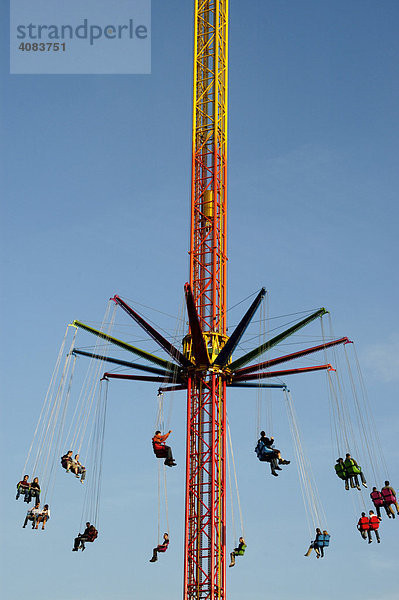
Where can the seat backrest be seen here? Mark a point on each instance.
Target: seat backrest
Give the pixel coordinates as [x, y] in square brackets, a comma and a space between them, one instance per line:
[92, 534]
[374, 522]
[351, 468]
[163, 547]
[262, 452]
[159, 451]
[388, 495]
[364, 523]
[340, 470]
[377, 498]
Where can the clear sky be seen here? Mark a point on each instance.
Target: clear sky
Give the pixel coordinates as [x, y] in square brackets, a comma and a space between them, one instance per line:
[95, 201]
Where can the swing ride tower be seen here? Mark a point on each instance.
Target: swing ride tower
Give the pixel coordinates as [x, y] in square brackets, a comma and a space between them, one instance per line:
[204, 367]
[203, 362]
[205, 556]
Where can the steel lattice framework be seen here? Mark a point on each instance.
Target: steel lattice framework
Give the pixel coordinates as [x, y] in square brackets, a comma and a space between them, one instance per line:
[205, 557]
[209, 165]
[204, 367]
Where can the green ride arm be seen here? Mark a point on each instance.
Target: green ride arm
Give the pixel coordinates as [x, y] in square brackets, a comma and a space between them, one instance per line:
[240, 362]
[151, 357]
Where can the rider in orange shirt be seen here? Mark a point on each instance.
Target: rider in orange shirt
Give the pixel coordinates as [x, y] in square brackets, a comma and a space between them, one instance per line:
[161, 450]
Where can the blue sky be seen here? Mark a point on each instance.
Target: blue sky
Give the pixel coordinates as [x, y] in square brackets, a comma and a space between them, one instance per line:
[95, 201]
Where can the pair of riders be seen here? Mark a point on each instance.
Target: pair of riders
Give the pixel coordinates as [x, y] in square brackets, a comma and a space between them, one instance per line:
[70, 463]
[29, 490]
[368, 524]
[349, 470]
[321, 541]
[385, 498]
[266, 452]
[37, 515]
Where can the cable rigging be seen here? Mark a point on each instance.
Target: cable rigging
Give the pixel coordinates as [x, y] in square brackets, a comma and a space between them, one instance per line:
[48, 433]
[91, 503]
[314, 509]
[240, 549]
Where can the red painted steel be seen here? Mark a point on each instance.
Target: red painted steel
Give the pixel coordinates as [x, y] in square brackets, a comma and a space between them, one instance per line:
[205, 555]
[140, 378]
[293, 356]
[282, 373]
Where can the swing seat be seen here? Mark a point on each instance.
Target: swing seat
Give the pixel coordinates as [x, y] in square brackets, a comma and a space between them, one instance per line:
[326, 541]
[263, 453]
[265, 458]
[160, 452]
[64, 464]
[92, 535]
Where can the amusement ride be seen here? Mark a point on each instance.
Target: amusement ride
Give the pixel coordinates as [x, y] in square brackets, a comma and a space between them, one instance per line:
[205, 363]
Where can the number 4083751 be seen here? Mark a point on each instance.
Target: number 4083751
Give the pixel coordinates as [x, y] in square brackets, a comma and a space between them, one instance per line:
[42, 47]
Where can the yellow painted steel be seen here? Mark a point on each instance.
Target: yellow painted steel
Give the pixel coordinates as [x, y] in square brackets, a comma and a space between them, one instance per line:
[205, 550]
[209, 147]
[207, 206]
[214, 343]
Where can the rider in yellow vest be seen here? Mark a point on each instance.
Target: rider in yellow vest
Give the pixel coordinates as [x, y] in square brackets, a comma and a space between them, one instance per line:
[352, 471]
[239, 551]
